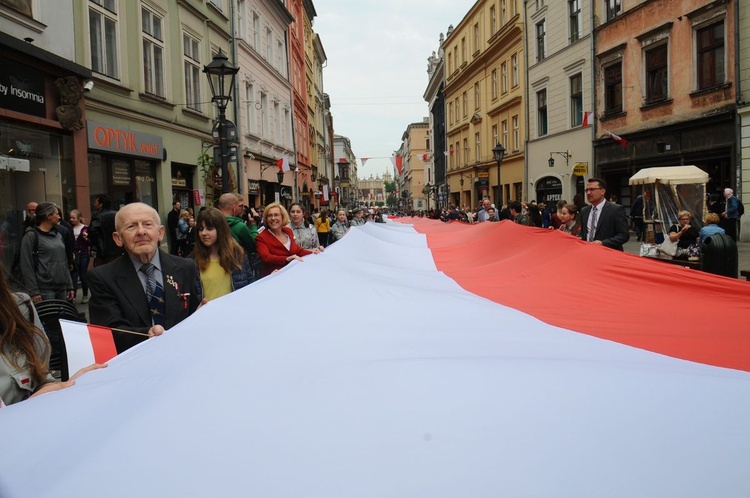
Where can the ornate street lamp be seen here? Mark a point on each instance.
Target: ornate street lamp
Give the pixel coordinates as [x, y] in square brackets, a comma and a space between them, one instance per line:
[498, 151]
[566, 154]
[221, 74]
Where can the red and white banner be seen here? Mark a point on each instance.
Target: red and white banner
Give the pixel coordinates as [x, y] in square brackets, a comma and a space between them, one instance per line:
[326, 196]
[458, 377]
[364, 160]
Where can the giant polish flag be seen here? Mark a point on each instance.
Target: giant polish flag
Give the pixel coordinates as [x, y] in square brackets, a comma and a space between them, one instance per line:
[435, 360]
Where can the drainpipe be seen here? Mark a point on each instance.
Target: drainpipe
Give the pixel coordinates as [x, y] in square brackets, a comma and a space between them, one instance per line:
[592, 34]
[526, 102]
[739, 101]
[236, 100]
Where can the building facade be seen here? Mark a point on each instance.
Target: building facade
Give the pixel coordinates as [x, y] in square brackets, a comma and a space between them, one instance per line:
[265, 97]
[303, 12]
[560, 90]
[484, 95]
[372, 190]
[344, 172]
[320, 149]
[415, 153]
[43, 151]
[149, 116]
[666, 83]
[743, 111]
[436, 104]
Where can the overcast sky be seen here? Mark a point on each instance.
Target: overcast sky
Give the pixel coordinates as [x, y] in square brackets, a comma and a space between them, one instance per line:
[376, 73]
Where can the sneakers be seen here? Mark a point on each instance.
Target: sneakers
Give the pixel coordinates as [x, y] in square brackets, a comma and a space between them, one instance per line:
[85, 300]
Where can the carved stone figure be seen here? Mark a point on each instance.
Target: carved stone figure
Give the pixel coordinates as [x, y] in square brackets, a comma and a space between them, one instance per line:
[69, 113]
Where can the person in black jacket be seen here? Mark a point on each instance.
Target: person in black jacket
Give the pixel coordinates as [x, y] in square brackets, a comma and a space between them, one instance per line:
[101, 231]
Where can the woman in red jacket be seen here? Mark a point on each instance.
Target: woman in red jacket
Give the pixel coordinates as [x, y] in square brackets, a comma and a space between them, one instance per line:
[275, 245]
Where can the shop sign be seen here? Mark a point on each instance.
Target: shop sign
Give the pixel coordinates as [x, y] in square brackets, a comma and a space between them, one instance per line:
[253, 188]
[199, 197]
[121, 174]
[483, 174]
[580, 169]
[22, 89]
[133, 143]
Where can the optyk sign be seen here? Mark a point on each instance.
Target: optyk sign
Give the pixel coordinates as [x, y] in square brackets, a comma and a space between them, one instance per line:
[132, 143]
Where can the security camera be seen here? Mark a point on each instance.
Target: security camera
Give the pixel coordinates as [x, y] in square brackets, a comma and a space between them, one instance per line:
[88, 85]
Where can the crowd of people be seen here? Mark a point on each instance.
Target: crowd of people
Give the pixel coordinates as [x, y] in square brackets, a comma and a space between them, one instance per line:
[132, 285]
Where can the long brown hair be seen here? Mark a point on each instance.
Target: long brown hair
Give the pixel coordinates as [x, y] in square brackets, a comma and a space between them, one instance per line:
[19, 335]
[230, 252]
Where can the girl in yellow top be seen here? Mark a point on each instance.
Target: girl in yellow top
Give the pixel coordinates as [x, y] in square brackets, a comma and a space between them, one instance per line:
[323, 226]
[222, 262]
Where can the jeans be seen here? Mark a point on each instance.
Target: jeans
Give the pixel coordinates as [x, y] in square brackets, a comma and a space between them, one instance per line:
[81, 273]
[48, 295]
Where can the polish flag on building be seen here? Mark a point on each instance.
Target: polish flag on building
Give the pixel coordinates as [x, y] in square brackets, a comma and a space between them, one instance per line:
[398, 162]
[588, 118]
[283, 164]
[424, 157]
[87, 344]
[617, 138]
[326, 196]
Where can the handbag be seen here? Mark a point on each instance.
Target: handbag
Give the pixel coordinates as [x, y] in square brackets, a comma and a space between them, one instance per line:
[668, 247]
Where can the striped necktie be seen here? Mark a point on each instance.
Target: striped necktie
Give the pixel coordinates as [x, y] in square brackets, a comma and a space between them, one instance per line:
[154, 294]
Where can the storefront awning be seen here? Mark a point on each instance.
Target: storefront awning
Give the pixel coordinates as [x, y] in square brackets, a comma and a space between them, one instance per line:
[670, 175]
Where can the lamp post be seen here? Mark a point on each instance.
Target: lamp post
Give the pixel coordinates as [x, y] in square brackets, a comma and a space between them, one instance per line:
[221, 74]
[498, 151]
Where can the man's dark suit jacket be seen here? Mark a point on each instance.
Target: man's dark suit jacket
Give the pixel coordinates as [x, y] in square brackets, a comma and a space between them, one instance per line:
[612, 225]
[119, 301]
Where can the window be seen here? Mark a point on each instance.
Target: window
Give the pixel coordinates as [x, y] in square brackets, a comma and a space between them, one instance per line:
[541, 105]
[657, 73]
[465, 98]
[153, 53]
[277, 123]
[505, 132]
[476, 96]
[458, 109]
[613, 88]
[503, 12]
[576, 100]
[494, 83]
[710, 55]
[466, 150]
[574, 7]
[191, 59]
[241, 25]
[269, 46]
[450, 112]
[478, 148]
[493, 20]
[476, 37]
[281, 57]
[103, 37]
[264, 115]
[514, 63]
[463, 50]
[458, 155]
[450, 156]
[494, 134]
[541, 35]
[256, 32]
[450, 63]
[504, 77]
[250, 108]
[516, 138]
[614, 8]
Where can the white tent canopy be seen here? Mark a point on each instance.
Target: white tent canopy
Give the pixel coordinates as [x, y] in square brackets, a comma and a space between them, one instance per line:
[670, 175]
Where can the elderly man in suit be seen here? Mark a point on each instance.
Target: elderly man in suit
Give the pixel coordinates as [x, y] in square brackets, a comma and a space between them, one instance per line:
[603, 222]
[146, 290]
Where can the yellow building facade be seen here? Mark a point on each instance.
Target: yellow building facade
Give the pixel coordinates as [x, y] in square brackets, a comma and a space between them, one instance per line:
[485, 102]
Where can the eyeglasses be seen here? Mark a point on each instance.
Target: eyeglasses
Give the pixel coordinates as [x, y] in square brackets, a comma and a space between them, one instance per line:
[684, 219]
[592, 189]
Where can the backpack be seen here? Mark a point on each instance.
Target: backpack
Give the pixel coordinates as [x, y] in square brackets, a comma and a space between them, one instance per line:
[16, 276]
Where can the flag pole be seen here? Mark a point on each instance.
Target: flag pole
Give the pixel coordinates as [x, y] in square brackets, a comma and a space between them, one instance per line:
[121, 330]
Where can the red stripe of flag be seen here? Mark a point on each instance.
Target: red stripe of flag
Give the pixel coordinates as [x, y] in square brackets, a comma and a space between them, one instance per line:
[103, 343]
